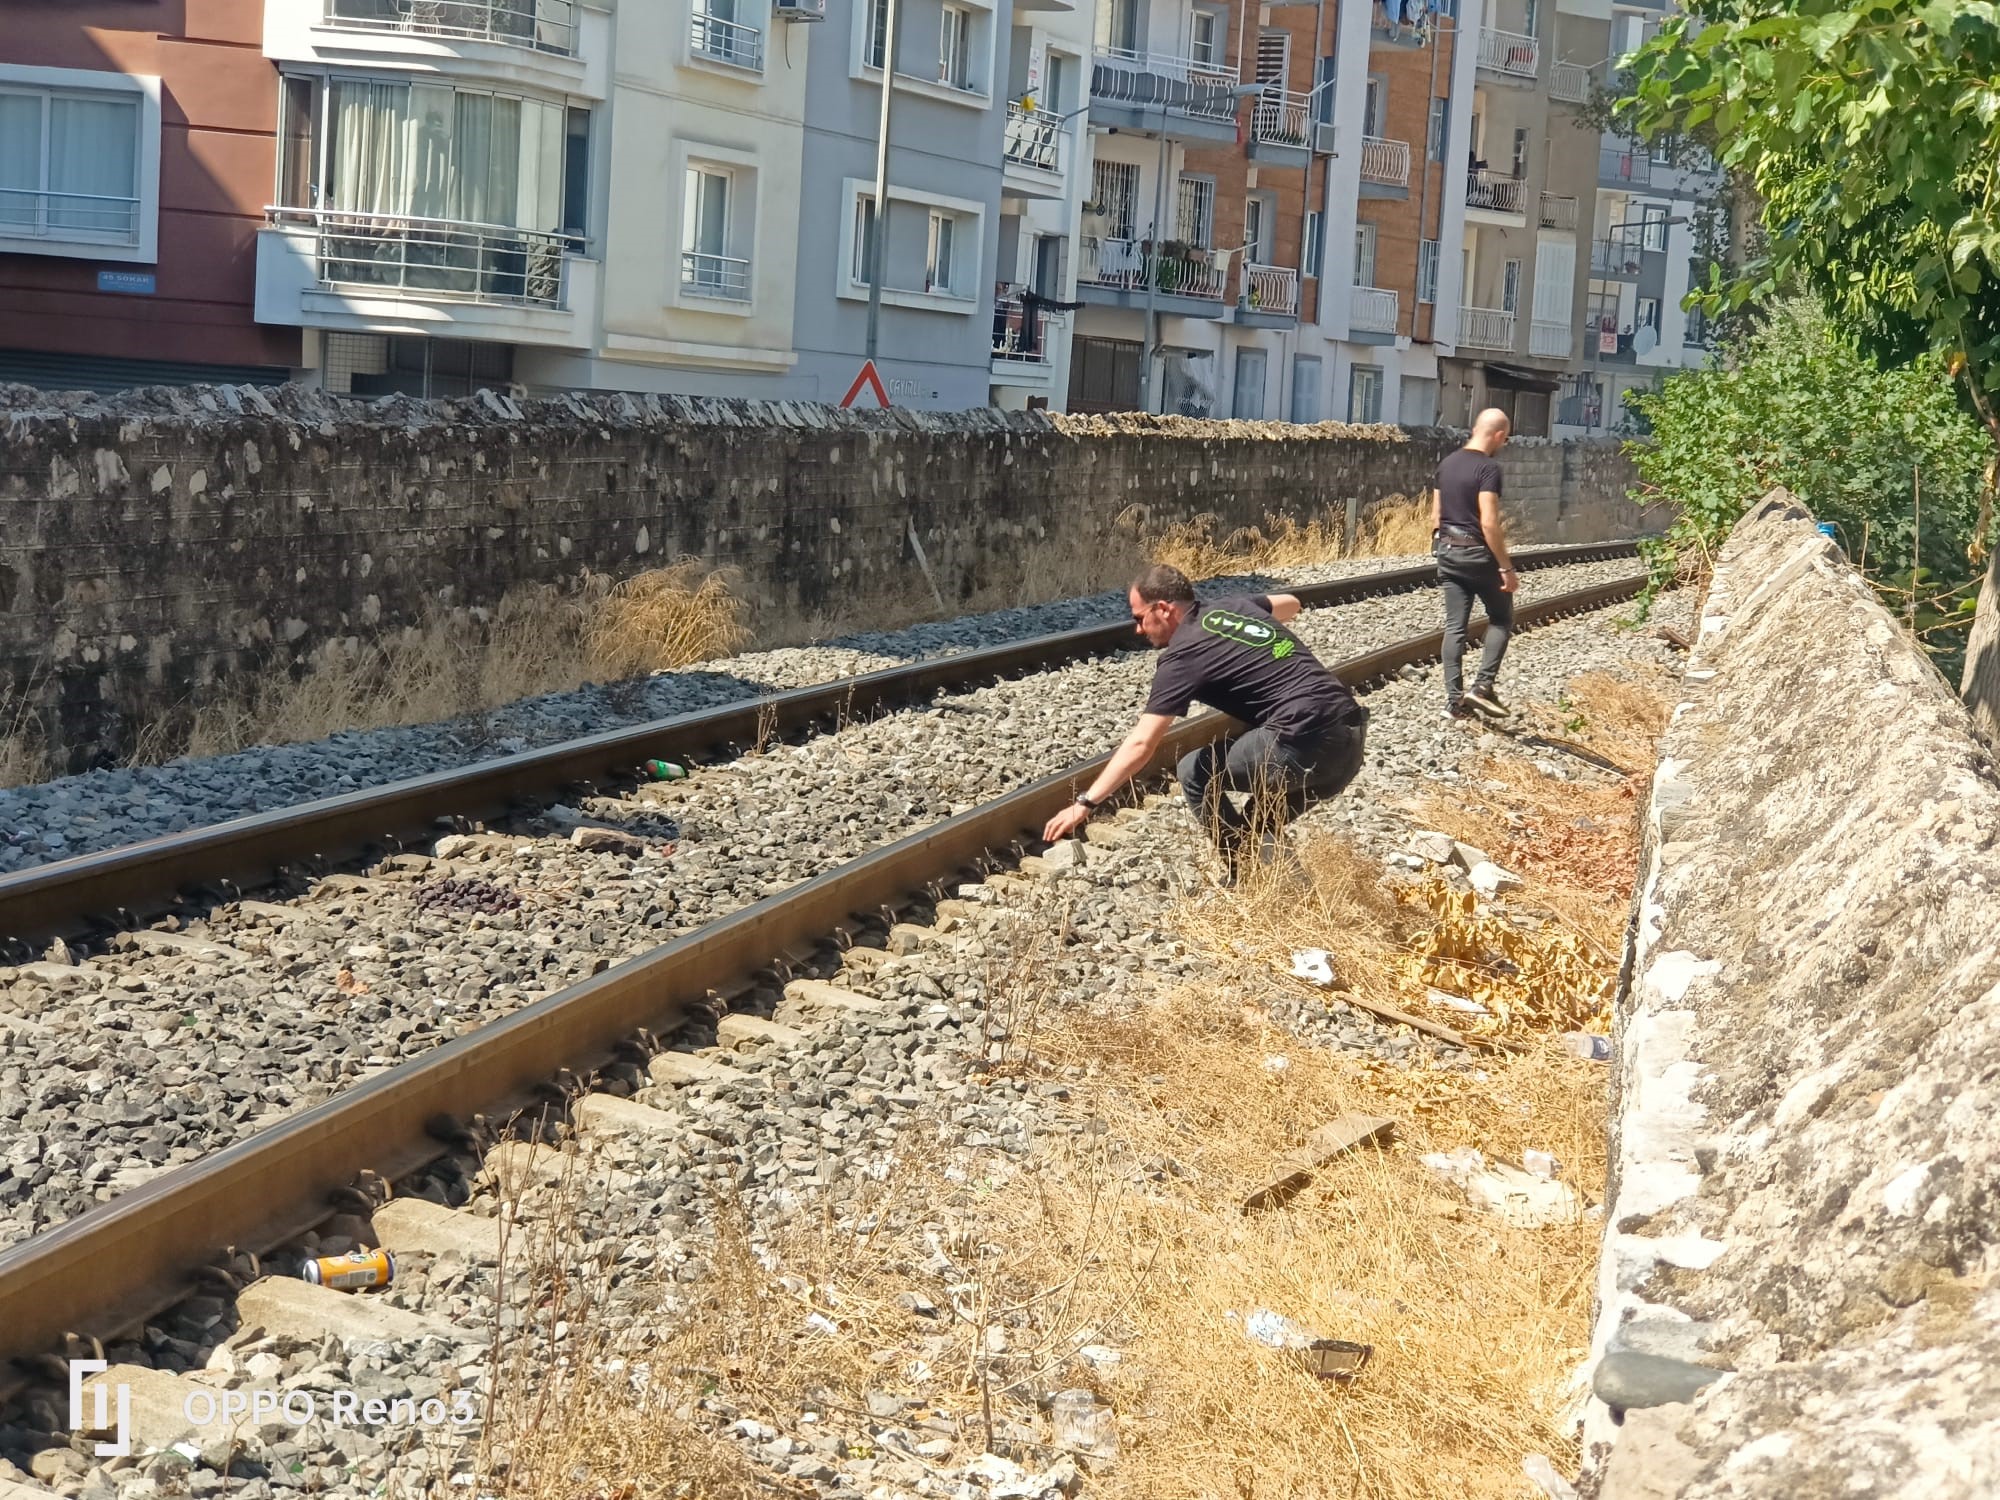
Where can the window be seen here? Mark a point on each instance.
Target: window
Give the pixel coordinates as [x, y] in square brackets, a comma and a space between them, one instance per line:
[725, 31]
[1417, 405]
[73, 162]
[1257, 216]
[1364, 255]
[938, 257]
[1375, 107]
[576, 176]
[955, 48]
[1050, 250]
[707, 267]
[1649, 315]
[1323, 89]
[1114, 189]
[1439, 134]
[1247, 400]
[1510, 286]
[1653, 226]
[1532, 15]
[864, 241]
[1305, 388]
[877, 46]
[1427, 270]
[1581, 402]
[1315, 242]
[1364, 394]
[1118, 24]
[298, 168]
[1520, 154]
[1194, 212]
[1203, 46]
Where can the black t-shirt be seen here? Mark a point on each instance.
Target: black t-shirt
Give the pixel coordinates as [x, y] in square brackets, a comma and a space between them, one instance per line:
[1232, 655]
[1460, 478]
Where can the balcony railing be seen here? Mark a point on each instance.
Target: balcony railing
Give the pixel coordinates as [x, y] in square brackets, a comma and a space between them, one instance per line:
[1549, 340]
[1282, 119]
[1569, 83]
[1125, 265]
[30, 213]
[1271, 289]
[1621, 167]
[544, 25]
[1154, 80]
[723, 276]
[727, 42]
[1020, 332]
[1558, 212]
[1509, 53]
[1617, 255]
[1034, 138]
[1485, 328]
[1493, 191]
[438, 259]
[1385, 161]
[1370, 309]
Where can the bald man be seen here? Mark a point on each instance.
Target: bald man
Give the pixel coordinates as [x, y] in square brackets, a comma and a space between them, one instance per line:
[1470, 544]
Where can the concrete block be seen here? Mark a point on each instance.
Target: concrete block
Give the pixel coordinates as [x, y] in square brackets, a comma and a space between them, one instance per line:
[417, 1224]
[609, 1113]
[685, 1067]
[157, 1413]
[297, 1309]
[739, 1032]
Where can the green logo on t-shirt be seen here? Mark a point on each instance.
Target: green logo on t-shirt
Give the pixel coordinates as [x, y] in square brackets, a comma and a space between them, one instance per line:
[1246, 631]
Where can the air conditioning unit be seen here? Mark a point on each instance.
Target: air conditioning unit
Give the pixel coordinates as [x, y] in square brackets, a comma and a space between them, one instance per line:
[799, 10]
[1323, 136]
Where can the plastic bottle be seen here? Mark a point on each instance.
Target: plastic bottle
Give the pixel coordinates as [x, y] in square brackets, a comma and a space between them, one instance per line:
[1538, 1468]
[1587, 1045]
[665, 770]
[1276, 1330]
[1082, 1425]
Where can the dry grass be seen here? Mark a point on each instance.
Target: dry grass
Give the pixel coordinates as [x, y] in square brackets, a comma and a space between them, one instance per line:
[1397, 527]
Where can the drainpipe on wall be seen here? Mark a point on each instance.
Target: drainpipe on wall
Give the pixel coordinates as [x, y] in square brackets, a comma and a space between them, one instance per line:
[1424, 188]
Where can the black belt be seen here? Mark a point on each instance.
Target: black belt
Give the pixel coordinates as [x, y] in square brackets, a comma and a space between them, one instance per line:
[1461, 533]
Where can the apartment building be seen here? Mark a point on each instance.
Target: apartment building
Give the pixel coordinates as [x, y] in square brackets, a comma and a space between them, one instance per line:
[135, 162]
[1652, 234]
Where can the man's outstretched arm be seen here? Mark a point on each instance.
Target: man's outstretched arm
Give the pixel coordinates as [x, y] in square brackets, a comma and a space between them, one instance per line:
[1284, 607]
[1126, 762]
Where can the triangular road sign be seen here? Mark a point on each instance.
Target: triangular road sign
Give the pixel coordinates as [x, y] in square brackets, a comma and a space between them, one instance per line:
[870, 380]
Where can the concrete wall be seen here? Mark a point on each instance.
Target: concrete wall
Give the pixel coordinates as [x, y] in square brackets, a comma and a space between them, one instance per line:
[1805, 1149]
[150, 545]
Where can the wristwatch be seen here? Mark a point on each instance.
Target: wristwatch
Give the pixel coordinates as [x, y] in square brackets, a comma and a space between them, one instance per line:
[1083, 800]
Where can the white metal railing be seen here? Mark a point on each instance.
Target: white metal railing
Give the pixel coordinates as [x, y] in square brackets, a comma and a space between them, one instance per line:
[437, 259]
[727, 41]
[1493, 191]
[1125, 264]
[1485, 328]
[1282, 119]
[1271, 289]
[1509, 52]
[1034, 138]
[1618, 254]
[1371, 309]
[1385, 161]
[1558, 212]
[1625, 165]
[1550, 340]
[1020, 333]
[545, 25]
[1569, 83]
[723, 276]
[31, 213]
[1150, 80]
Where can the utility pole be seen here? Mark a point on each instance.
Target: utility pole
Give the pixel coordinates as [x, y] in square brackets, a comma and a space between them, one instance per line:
[878, 258]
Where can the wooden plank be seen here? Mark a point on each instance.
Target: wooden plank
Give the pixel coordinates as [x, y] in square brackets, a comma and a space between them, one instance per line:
[1295, 1168]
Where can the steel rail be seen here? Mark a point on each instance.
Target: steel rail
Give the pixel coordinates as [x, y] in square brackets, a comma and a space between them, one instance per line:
[111, 1268]
[67, 897]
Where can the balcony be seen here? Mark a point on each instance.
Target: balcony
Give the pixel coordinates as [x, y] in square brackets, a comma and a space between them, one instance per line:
[1549, 340]
[1270, 296]
[1557, 212]
[1496, 195]
[726, 278]
[722, 41]
[1620, 254]
[1485, 328]
[1372, 310]
[1281, 129]
[1119, 273]
[78, 218]
[1385, 163]
[1182, 97]
[362, 272]
[1510, 54]
[1624, 167]
[1570, 83]
[1020, 340]
[1032, 152]
[541, 25]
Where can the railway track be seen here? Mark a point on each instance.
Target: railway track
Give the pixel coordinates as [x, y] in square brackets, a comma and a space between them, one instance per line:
[86, 1282]
[89, 897]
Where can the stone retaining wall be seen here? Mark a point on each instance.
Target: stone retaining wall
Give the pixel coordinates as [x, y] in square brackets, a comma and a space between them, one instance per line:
[152, 542]
[1807, 1141]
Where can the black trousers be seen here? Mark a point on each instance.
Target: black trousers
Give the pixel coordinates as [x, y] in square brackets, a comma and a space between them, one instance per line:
[1472, 574]
[1283, 778]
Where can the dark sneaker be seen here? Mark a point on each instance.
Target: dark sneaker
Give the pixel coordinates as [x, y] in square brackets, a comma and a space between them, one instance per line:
[1455, 709]
[1482, 699]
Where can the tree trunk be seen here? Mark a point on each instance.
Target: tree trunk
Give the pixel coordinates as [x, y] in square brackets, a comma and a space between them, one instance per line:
[1980, 687]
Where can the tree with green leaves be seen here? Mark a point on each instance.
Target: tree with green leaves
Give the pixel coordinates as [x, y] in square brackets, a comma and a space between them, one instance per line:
[1871, 132]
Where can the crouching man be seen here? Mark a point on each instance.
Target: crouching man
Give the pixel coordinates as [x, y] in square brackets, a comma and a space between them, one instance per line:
[1305, 732]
